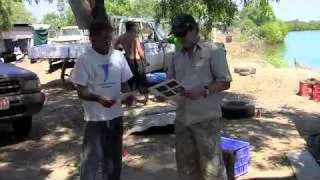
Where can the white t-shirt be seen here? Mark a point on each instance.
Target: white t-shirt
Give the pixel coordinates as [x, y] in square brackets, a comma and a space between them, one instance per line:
[103, 75]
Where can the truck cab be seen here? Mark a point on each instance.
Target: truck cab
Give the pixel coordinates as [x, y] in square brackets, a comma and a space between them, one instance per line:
[20, 98]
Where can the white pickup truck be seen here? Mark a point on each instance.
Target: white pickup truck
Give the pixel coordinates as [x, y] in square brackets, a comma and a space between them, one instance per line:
[68, 34]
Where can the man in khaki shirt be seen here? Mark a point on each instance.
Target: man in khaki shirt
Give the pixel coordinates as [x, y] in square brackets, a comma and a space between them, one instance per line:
[202, 68]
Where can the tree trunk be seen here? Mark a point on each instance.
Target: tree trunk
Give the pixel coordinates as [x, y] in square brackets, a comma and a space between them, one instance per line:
[87, 10]
[98, 11]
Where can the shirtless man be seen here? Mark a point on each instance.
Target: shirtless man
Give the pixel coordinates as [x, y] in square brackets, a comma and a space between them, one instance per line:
[129, 42]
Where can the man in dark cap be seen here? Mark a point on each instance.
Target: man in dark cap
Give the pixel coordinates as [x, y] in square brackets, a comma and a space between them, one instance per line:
[202, 68]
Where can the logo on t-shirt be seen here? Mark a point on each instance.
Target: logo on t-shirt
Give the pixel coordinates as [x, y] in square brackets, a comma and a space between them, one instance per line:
[105, 68]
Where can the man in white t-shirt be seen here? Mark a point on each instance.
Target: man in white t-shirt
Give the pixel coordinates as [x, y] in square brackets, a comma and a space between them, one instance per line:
[100, 74]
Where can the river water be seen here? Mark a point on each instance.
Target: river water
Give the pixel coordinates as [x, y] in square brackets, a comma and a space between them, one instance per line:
[303, 46]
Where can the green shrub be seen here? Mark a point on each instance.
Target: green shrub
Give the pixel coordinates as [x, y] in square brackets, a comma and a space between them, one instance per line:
[274, 32]
[249, 30]
[274, 54]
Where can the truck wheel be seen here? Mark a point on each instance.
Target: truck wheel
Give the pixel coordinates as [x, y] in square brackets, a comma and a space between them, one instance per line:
[22, 126]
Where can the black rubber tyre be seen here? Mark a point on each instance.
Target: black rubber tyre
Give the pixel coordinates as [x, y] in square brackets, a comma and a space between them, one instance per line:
[244, 73]
[249, 70]
[22, 127]
[237, 110]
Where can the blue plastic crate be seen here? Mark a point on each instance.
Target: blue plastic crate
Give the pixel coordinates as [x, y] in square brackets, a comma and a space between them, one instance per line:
[156, 77]
[241, 150]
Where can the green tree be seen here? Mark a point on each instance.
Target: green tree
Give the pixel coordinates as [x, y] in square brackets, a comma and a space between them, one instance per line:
[119, 7]
[207, 12]
[5, 14]
[274, 31]
[135, 8]
[55, 20]
[69, 17]
[143, 8]
[297, 25]
[251, 19]
[52, 19]
[21, 14]
[257, 13]
[13, 12]
[249, 30]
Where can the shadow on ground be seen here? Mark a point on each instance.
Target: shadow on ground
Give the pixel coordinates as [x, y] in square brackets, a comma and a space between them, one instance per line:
[306, 123]
[273, 178]
[308, 126]
[55, 141]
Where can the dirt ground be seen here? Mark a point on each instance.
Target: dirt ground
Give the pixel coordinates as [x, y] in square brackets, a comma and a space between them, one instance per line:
[52, 151]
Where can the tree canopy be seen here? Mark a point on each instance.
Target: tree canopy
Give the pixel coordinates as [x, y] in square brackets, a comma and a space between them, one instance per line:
[258, 22]
[210, 12]
[257, 14]
[207, 12]
[297, 25]
[55, 20]
[136, 8]
[13, 12]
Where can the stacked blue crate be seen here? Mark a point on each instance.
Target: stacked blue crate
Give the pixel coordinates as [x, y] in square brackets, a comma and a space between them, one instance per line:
[241, 150]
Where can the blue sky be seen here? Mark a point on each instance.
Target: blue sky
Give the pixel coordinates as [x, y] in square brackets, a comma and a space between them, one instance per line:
[42, 8]
[286, 9]
[297, 9]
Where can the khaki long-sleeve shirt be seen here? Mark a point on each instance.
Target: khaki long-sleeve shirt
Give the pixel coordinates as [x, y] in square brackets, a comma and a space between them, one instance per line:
[207, 65]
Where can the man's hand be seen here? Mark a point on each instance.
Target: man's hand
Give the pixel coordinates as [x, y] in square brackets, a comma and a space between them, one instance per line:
[84, 94]
[194, 93]
[106, 101]
[128, 100]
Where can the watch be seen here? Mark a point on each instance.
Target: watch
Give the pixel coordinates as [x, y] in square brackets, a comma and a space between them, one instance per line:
[206, 91]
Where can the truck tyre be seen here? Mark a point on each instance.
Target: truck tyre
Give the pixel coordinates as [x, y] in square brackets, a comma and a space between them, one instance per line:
[22, 127]
[237, 110]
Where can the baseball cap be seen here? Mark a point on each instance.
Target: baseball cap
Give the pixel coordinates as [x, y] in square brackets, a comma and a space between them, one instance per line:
[181, 24]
